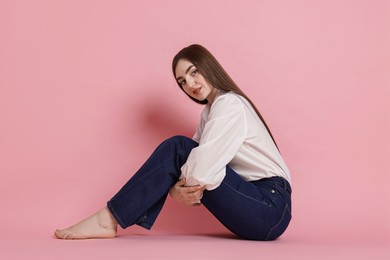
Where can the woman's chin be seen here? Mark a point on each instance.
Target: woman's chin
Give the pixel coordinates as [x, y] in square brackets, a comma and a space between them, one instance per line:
[202, 100]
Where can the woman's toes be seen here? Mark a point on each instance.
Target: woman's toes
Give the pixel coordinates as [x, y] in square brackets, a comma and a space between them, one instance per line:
[62, 234]
[57, 233]
[68, 236]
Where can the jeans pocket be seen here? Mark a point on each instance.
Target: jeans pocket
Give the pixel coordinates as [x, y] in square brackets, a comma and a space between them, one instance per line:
[281, 226]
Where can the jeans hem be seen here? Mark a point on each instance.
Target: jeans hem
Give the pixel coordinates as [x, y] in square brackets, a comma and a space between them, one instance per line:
[113, 213]
[144, 225]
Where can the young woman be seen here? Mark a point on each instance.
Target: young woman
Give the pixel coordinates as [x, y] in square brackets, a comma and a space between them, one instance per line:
[232, 165]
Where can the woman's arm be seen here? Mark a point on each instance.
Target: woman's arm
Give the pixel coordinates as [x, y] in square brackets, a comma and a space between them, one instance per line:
[222, 136]
[199, 129]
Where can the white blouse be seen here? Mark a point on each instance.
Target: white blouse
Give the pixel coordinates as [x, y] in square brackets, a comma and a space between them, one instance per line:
[231, 133]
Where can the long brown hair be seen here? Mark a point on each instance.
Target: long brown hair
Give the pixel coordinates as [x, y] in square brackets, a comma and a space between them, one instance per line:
[213, 73]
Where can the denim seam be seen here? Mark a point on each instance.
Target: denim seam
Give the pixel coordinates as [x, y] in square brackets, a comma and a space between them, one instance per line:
[118, 219]
[180, 148]
[144, 225]
[140, 179]
[147, 175]
[261, 202]
[143, 221]
[277, 224]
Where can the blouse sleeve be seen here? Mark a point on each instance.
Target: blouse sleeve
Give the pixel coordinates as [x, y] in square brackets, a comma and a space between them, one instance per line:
[199, 130]
[222, 136]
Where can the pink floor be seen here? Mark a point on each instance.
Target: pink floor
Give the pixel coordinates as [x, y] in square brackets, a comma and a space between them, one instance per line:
[179, 246]
[188, 233]
[184, 247]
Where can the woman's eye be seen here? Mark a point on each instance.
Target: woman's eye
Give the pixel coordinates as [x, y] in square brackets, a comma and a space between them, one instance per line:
[194, 72]
[182, 82]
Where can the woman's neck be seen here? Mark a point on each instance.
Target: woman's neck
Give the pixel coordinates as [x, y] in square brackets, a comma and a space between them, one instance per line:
[212, 95]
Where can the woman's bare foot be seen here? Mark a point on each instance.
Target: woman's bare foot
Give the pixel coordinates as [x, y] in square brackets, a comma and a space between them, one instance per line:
[100, 225]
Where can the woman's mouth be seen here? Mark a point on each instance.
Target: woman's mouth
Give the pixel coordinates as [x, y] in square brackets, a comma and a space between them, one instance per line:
[196, 91]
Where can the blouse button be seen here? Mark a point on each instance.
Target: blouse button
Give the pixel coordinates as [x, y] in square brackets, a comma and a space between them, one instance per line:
[273, 191]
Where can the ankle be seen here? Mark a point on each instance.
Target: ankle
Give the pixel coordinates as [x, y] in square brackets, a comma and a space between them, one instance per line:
[106, 220]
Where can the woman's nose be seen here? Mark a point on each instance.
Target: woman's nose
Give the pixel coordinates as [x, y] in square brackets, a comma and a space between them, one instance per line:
[190, 81]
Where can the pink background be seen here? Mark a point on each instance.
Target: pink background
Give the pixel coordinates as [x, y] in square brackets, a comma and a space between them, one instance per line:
[86, 94]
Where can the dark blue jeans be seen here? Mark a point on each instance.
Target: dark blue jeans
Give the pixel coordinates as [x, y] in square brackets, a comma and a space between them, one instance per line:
[258, 210]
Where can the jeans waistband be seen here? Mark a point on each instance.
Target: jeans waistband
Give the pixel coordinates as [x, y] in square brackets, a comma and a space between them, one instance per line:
[280, 181]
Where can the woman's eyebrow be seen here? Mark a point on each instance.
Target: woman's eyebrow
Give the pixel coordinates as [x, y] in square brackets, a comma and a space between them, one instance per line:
[187, 70]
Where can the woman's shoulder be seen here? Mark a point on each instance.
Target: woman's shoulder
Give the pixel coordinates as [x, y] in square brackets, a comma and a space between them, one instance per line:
[227, 97]
[227, 102]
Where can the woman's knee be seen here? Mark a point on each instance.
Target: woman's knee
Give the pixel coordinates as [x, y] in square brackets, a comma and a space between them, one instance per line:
[181, 141]
[178, 145]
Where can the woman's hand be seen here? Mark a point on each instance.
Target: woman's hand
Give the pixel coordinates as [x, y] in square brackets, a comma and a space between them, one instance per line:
[189, 196]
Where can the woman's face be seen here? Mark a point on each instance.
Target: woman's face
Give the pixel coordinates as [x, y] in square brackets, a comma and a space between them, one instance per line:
[193, 83]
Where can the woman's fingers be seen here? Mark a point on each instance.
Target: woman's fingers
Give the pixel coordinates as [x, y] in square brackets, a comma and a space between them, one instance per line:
[192, 195]
[181, 183]
[196, 188]
[189, 195]
[192, 189]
